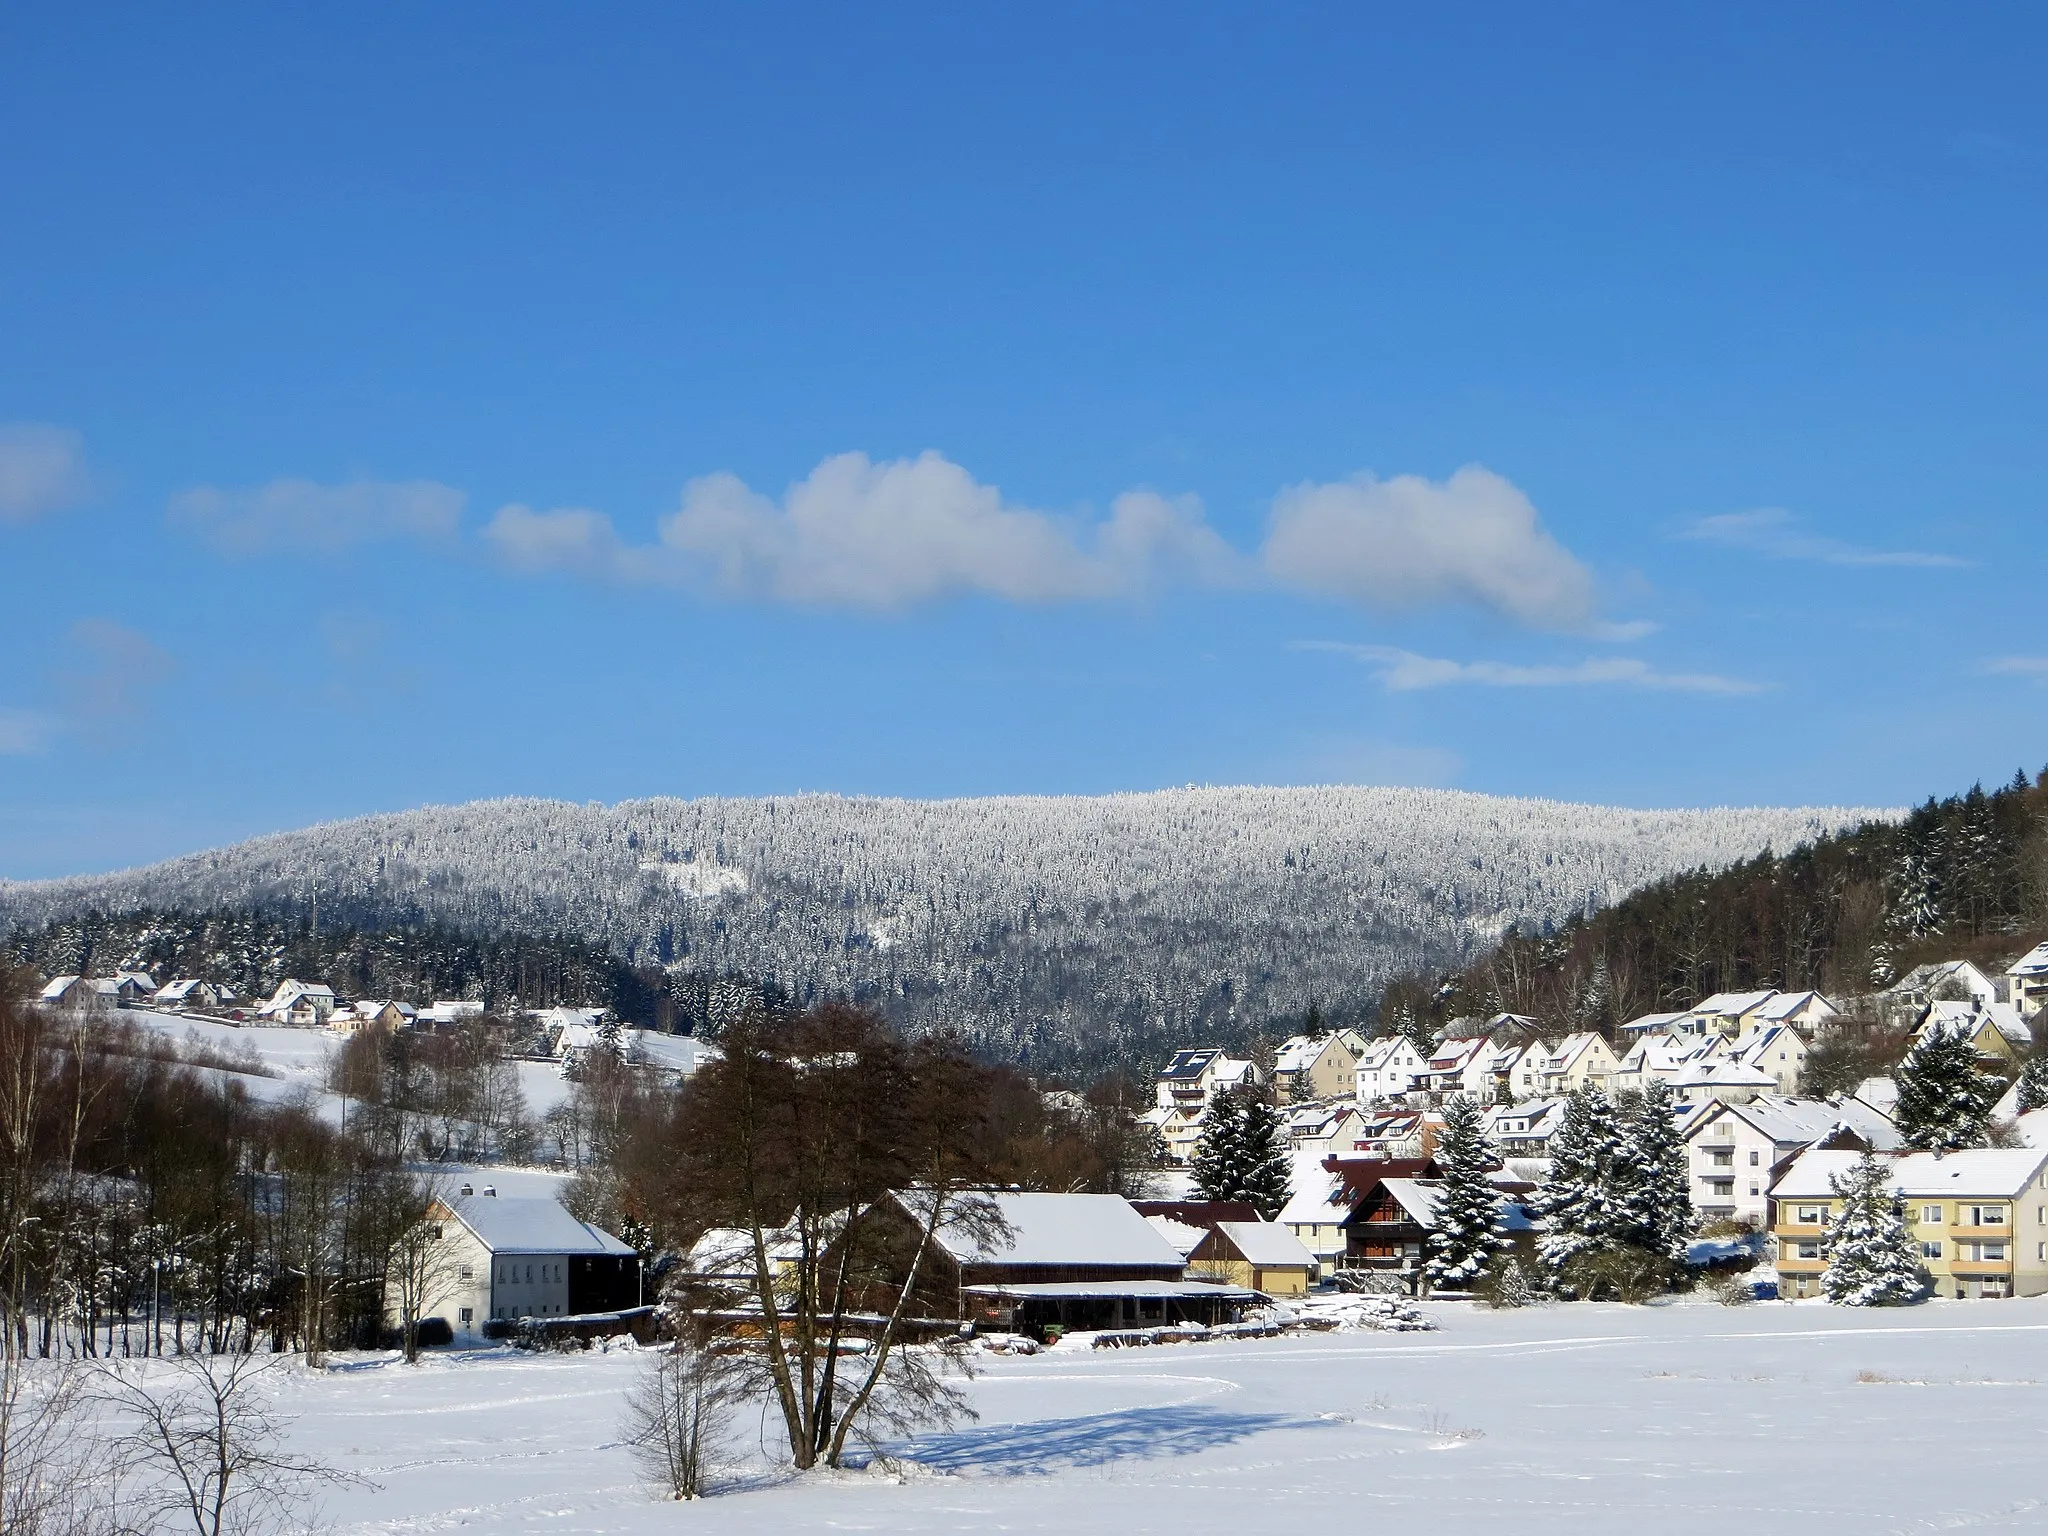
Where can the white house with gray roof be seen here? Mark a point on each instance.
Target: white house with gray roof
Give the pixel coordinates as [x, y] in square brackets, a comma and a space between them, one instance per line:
[500, 1259]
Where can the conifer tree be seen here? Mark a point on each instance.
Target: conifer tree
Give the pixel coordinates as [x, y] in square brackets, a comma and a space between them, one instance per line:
[1870, 1254]
[1243, 1152]
[1945, 1099]
[1653, 1178]
[1467, 1236]
[2034, 1084]
[1574, 1202]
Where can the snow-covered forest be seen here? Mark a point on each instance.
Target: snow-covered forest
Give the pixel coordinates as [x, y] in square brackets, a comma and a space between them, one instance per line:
[1113, 925]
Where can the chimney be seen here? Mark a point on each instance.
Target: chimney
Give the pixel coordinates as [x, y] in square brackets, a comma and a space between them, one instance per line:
[491, 1190]
[467, 1190]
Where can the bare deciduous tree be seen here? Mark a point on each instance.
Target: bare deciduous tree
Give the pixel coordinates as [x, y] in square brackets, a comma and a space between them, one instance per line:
[424, 1268]
[674, 1411]
[200, 1438]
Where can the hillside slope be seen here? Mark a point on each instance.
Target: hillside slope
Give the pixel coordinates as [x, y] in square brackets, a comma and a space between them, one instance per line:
[1038, 925]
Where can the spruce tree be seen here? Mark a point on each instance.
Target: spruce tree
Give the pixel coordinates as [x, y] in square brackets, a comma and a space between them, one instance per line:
[1219, 1150]
[1574, 1202]
[1467, 1236]
[1870, 1254]
[2034, 1084]
[1945, 1099]
[1243, 1152]
[1653, 1178]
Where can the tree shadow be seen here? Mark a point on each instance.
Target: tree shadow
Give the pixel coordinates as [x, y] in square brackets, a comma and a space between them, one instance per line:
[1058, 1445]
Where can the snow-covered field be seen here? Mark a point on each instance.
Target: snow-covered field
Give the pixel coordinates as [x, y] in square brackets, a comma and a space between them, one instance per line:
[1563, 1419]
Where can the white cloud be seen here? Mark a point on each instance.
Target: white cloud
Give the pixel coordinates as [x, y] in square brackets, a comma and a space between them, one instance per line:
[300, 514]
[1412, 543]
[1405, 671]
[24, 732]
[1774, 532]
[860, 534]
[42, 468]
[2035, 667]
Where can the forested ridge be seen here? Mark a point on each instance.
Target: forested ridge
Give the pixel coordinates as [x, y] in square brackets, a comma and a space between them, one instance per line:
[1057, 932]
[1847, 913]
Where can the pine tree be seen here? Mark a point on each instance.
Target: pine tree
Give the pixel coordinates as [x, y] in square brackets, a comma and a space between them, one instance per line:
[1871, 1259]
[1511, 1287]
[1653, 1178]
[1415, 1029]
[1467, 1236]
[1574, 1202]
[2034, 1084]
[1219, 1152]
[1243, 1152]
[1944, 1098]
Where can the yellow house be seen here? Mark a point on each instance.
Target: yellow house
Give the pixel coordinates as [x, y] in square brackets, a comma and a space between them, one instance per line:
[1979, 1218]
[1260, 1255]
[1315, 1067]
[1995, 1030]
[1584, 1060]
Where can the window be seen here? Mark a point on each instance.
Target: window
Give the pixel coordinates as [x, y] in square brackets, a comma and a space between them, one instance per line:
[1930, 1250]
[1810, 1215]
[1724, 1159]
[1754, 1155]
[1809, 1250]
[529, 1274]
[1987, 1216]
[1753, 1188]
[465, 1274]
[1931, 1215]
[467, 1316]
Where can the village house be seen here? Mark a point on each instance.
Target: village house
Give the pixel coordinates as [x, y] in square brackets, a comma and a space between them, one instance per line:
[1730, 1013]
[1662, 1024]
[1324, 1128]
[1517, 1072]
[1583, 1060]
[1979, 1218]
[371, 1013]
[1953, 981]
[1779, 1050]
[1388, 1069]
[2026, 982]
[73, 994]
[1718, 1080]
[1996, 1030]
[1194, 1077]
[1661, 1057]
[1314, 1067]
[1178, 1129]
[1062, 1262]
[1524, 1129]
[1227, 1240]
[299, 1003]
[500, 1259]
[1734, 1151]
[1807, 1012]
[188, 994]
[1461, 1065]
[1316, 1209]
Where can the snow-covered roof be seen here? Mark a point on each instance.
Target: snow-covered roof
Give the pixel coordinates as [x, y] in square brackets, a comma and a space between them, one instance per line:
[1971, 1016]
[1721, 1072]
[1416, 1198]
[1315, 1191]
[137, 978]
[1786, 1004]
[1099, 1230]
[57, 987]
[1795, 1122]
[1652, 1021]
[1995, 1172]
[2033, 963]
[1184, 1238]
[1735, 1004]
[1925, 978]
[1301, 1053]
[1266, 1243]
[525, 1224]
[1191, 1063]
[177, 991]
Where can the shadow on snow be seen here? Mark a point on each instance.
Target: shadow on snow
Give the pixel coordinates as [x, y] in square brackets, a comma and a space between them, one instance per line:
[1057, 1445]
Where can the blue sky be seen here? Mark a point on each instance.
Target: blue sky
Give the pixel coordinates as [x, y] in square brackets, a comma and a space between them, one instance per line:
[405, 405]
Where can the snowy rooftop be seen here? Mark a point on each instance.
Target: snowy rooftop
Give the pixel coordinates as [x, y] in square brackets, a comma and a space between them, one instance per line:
[2033, 963]
[1986, 1171]
[1099, 1230]
[1185, 1239]
[529, 1225]
[1266, 1243]
[1794, 1122]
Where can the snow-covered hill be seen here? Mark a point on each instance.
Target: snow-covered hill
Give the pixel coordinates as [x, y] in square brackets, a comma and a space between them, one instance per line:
[1030, 922]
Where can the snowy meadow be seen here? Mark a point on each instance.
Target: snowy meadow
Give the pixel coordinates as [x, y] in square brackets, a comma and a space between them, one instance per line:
[1569, 1418]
